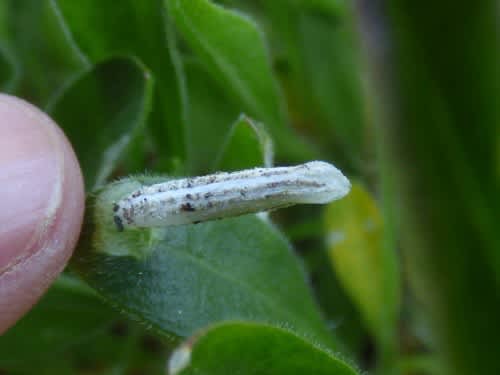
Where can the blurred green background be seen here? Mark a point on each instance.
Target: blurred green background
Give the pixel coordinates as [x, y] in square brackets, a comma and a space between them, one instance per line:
[400, 277]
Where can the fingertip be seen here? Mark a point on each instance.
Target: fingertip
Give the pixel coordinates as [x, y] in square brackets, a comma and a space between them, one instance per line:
[41, 187]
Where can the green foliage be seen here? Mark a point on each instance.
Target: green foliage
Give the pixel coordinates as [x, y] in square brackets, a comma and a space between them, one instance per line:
[442, 143]
[8, 73]
[249, 348]
[71, 330]
[135, 28]
[251, 142]
[236, 57]
[102, 112]
[20, 346]
[355, 231]
[180, 279]
[209, 117]
[325, 89]
[187, 87]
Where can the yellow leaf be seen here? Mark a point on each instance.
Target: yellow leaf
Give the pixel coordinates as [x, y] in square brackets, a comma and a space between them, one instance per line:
[367, 271]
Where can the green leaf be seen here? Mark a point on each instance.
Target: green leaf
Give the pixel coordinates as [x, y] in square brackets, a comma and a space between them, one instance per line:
[330, 7]
[140, 29]
[213, 144]
[249, 348]
[67, 315]
[368, 270]
[39, 43]
[225, 52]
[343, 316]
[71, 331]
[235, 55]
[321, 72]
[210, 117]
[101, 112]
[180, 279]
[422, 364]
[331, 72]
[248, 145]
[4, 9]
[8, 70]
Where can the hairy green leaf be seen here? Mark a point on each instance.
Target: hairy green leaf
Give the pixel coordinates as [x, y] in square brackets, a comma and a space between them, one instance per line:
[180, 279]
[248, 348]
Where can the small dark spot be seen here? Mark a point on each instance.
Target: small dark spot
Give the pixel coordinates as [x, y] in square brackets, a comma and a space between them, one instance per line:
[272, 185]
[187, 207]
[130, 215]
[189, 184]
[116, 207]
[119, 329]
[210, 204]
[136, 194]
[208, 195]
[152, 345]
[118, 222]
[197, 222]
[243, 193]
[189, 196]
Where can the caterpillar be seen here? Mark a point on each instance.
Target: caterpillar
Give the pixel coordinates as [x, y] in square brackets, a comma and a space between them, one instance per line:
[223, 194]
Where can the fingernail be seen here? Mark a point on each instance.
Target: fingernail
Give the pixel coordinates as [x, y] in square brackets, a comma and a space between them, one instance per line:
[31, 159]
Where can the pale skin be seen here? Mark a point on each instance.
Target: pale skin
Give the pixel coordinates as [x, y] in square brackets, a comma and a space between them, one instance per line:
[42, 203]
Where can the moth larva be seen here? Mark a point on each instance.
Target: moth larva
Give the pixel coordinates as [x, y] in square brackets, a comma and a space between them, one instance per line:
[219, 195]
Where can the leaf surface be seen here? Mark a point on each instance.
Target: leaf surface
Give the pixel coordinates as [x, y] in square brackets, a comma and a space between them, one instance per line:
[182, 278]
[236, 57]
[102, 112]
[37, 40]
[68, 314]
[248, 145]
[366, 268]
[139, 29]
[249, 349]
